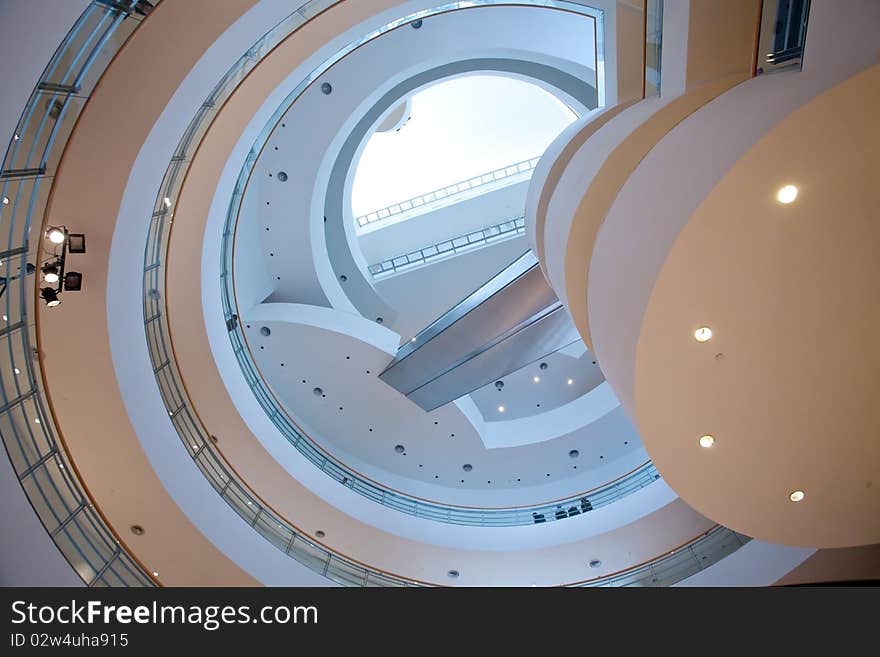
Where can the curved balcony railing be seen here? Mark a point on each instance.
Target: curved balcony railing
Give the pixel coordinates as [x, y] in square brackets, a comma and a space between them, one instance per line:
[678, 564]
[447, 248]
[452, 193]
[198, 442]
[27, 427]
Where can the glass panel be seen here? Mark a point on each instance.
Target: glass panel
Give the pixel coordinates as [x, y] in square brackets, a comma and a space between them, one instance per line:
[653, 47]
[783, 34]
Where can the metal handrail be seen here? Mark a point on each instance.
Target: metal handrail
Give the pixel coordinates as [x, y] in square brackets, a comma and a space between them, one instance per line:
[27, 427]
[429, 201]
[447, 248]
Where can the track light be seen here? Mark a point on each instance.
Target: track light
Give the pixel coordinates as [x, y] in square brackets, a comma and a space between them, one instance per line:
[50, 272]
[56, 235]
[72, 281]
[76, 243]
[50, 296]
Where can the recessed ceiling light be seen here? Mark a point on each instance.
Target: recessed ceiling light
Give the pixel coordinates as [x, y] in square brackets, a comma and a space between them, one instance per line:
[500, 409]
[5, 200]
[787, 194]
[595, 563]
[155, 574]
[413, 339]
[796, 496]
[399, 449]
[467, 467]
[5, 318]
[452, 574]
[707, 441]
[536, 378]
[703, 334]
[16, 370]
[36, 420]
[570, 381]
[574, 453]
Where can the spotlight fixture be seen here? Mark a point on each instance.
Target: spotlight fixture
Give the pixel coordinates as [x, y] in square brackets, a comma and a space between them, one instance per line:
[50, 271]
[703, 334]
[76, 243]
[73, 281]
[707, 441]
[796, 496]
[787, 194]
[54, 270]
[50, 296]
[56, 235]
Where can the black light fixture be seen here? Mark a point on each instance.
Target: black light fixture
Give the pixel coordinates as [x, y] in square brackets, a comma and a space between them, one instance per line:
[53, 270]
[56, 234]
[73, 281]
[76, 243]
[50, 296]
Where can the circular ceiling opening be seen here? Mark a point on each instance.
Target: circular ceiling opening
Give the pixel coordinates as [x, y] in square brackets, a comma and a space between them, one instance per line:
[456, 129]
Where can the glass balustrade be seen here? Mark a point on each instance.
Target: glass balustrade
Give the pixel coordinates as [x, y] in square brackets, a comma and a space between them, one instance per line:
[448, 248]
[27, 426]
[438, 198]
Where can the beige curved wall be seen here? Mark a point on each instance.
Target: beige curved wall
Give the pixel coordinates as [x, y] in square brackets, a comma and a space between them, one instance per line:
[78, 367]
[790, 381]
[837, 565]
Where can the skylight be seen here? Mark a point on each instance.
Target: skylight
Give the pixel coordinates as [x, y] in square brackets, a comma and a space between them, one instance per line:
[458, 130]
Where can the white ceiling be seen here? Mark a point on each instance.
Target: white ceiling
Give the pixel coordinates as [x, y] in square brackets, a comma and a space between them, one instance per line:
[359, 418]
[522, 396]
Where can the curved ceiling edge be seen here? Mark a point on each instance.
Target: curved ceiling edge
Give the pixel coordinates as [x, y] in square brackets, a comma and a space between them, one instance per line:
[337, 236]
